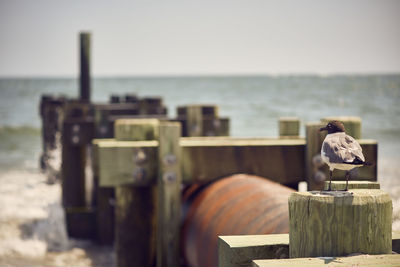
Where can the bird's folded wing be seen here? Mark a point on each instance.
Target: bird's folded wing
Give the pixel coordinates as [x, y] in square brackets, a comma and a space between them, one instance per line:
[343, 149]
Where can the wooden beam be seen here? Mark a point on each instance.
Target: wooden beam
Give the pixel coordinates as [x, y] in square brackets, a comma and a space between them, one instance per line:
[341, 185]
[127, 162]
[169, 195]
[207, 159]
[240, 250]
[384, 260]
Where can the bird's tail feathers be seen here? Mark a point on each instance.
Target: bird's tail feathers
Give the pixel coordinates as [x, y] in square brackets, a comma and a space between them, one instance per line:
[366, 163]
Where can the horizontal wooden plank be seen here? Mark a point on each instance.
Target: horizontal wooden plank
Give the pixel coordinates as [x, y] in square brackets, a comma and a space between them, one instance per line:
[242, 241]
[361, 260]
[127, 162]
[235, 141]
[341, 185]
[207, 159]
[241, 250]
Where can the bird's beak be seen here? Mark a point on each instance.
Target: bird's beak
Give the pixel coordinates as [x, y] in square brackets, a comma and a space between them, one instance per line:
[323, 129]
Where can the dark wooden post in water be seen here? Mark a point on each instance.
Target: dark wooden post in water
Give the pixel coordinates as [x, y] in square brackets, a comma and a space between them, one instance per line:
[77, 134]
[136, 205]
[85, 66]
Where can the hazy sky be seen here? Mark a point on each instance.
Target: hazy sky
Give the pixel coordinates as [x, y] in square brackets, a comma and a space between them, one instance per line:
[40, 37]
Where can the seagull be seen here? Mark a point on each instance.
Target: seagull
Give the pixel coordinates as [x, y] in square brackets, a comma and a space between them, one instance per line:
[341, 151]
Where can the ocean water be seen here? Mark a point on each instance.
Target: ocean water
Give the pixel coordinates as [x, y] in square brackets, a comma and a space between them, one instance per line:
[253, 104]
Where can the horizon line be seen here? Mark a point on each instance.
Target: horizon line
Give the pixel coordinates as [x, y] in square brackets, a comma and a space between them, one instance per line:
[199, 75]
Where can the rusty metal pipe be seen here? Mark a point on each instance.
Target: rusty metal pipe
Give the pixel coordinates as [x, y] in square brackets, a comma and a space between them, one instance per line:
[237, 205]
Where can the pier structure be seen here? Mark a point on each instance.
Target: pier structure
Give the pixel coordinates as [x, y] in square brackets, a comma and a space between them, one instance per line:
[136, 178]
[203, 162]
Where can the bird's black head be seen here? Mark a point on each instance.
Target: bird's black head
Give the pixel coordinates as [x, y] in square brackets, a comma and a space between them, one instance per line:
[333, 127]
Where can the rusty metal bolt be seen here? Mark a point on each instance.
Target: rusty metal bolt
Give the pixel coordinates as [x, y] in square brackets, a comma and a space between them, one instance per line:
[139, 156]
[103, 129]
[75, 139]
[217, 123]
[169, 177]
[169, 159]
[76, 128]
[139, 174]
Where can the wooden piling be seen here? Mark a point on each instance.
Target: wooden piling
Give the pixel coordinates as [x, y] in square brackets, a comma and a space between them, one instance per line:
[317, 171]
[104, 199]
[351, 124]
[289, 127]
[169, 195]
[331, 224]
[315, 168]
[152, 106]
[136, 205]
[72, 173]
[85, 66]
[202, 120]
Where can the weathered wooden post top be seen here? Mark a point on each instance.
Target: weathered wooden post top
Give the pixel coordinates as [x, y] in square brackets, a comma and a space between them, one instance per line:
[339, 223]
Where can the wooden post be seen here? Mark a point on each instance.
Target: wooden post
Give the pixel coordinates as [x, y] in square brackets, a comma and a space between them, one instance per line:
[317, 170]
[104, 199]
[169, 195]
[315, 167]
[340, 223]
[351, 124]
[289, 127]
[152, 106]
[202, 120]
[72, 173]
[85, 66]
[194, 121]
[136, 205]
